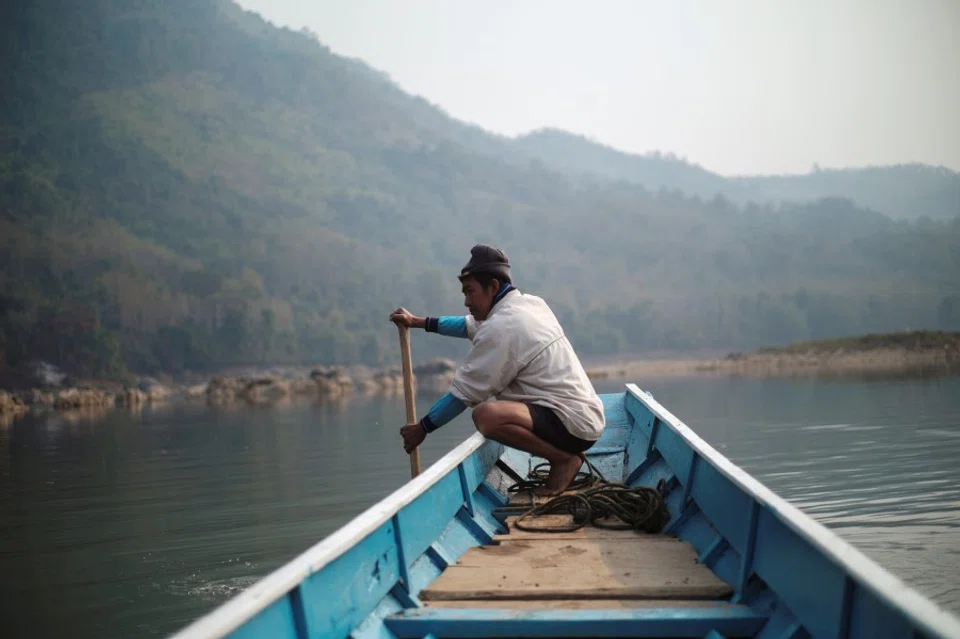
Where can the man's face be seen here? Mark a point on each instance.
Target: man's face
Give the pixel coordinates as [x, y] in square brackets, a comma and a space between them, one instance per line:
[478, 299]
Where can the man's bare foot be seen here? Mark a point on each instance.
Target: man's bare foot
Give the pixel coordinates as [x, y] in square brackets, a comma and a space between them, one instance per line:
[560, 477]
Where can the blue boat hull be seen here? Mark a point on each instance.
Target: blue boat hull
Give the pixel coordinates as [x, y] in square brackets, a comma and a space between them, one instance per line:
[789, 576]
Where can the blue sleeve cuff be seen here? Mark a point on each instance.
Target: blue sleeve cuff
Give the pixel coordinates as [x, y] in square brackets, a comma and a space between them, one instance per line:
[446, 408]
[451, 326]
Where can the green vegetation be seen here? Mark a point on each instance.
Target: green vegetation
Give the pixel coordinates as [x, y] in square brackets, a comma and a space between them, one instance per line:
[185, 187]
[908, 191]
[907, 341]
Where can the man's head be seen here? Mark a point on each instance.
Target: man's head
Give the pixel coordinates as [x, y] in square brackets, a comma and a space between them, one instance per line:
[482, 278]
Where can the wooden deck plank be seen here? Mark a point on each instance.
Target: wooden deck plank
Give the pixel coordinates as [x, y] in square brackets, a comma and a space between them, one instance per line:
[528, 499]
[546, 521]
[643, 567]
[574, 604]
[654, 551]
[583, 533]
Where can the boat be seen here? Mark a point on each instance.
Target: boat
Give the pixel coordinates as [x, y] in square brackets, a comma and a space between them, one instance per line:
[458, 552]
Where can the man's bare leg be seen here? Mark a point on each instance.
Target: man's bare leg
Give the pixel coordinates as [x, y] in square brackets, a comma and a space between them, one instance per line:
[510, 424]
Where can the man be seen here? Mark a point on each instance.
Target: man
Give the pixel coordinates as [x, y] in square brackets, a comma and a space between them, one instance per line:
[545, 404]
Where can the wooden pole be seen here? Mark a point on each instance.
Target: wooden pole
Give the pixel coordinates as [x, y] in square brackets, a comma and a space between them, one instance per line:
[408, 392]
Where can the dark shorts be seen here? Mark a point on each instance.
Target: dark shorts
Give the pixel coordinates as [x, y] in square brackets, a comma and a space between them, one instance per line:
[548, 427]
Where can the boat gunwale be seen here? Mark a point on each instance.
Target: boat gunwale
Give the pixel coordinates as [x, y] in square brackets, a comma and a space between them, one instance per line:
[233, 613]
[922, 612]
[240, 609]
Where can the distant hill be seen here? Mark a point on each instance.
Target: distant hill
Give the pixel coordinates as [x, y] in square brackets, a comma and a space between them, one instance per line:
[906, 191]
[578, 155]
[184, 186]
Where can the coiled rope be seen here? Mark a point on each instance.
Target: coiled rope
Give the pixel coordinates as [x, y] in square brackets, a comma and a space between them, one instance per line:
[595, 499]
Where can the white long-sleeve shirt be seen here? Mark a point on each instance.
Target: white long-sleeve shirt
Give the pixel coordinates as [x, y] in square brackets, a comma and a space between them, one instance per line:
[520, 353]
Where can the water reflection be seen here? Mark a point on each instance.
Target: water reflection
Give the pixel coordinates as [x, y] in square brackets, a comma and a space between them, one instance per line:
[134, 523]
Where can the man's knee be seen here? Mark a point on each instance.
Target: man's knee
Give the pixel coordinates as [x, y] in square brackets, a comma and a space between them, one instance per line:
[485, 418]
[490, 416]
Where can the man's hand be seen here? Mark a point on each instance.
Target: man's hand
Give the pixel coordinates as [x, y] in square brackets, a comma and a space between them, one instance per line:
[406, 318]
[413, 435]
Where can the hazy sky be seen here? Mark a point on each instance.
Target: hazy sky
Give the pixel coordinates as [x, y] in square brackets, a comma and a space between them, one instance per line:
[769, 86]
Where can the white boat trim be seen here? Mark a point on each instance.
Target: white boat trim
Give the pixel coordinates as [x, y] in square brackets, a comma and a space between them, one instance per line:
[924, 614]
[233, 613]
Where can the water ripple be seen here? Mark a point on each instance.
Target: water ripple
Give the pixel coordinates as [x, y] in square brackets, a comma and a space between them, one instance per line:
[140, 523]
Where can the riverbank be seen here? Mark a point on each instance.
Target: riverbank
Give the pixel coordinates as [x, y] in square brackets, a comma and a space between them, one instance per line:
[253, 387]
[909, 354]
[900, 355]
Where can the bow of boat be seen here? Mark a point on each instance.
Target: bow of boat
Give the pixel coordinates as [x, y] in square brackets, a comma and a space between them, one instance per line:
[444, 556]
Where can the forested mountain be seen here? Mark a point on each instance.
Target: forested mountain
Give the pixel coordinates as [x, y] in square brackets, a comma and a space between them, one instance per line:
[185, 186]
[905, 191]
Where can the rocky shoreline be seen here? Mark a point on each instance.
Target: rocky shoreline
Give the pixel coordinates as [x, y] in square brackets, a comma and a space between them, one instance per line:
[889, 362]
[249, 387]
[848, 358]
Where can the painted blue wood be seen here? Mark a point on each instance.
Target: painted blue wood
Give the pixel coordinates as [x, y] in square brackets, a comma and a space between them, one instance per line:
[364, 581]
[277, 620]
[846, 607]
[727, 507]
[465, 489]
[438, 555]
[609, 464]
[746, 560]
[519, 462]
[736, 621]
[400, 593]
[688, 482]
[496, 499]
[618, 427]
[710, 552]
[782, 625]
[339, 597]
[637, 452]
[402, 565]
[794, 631]
[485, 506]
[683, 511]
[633, 476]
[372, 627]
[798, 560]
[870, 617]
[650, 474]
[652, 438]
[298, 610]
[480, 532]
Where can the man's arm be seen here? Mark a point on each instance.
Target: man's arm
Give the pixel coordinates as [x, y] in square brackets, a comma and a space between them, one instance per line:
[443, 411]
[451, 326]
[488, 369]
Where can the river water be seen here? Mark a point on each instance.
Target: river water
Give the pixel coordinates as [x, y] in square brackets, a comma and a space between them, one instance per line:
[128, 524]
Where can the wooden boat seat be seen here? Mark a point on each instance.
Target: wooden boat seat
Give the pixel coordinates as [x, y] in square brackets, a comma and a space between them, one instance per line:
[735, 621]
[587, 568]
